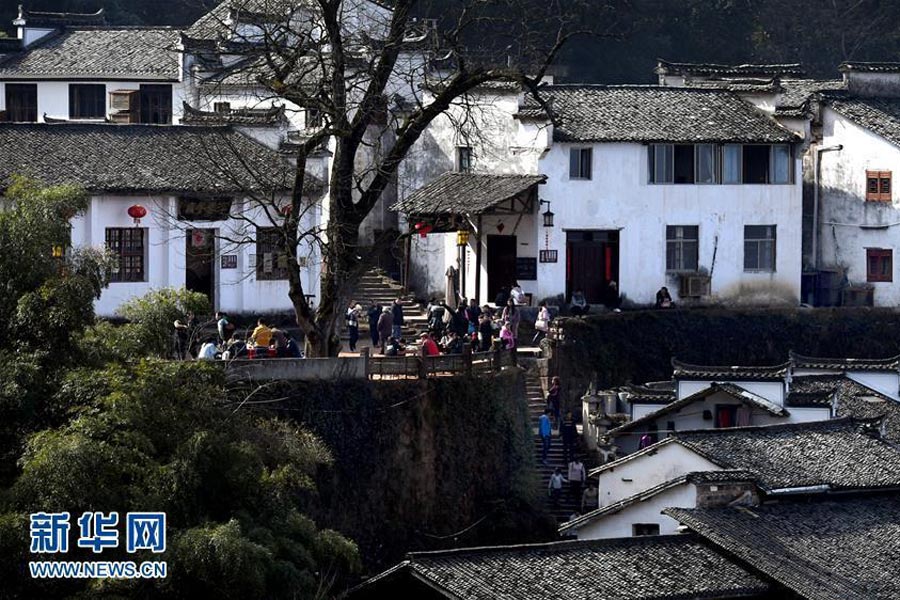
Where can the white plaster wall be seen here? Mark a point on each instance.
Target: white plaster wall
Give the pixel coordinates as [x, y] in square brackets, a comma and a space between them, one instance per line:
[237, 290]
[641, 410]
[873, 84]
[772, 391]
[620, 524]
[886, 383]
[671, 460]
[847, 223]
[619, 197]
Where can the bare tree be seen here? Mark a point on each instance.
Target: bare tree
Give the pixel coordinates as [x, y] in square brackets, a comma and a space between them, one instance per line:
[371, 77]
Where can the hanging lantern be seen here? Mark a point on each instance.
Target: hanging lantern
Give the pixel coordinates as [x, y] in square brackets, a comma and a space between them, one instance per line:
[423, 229]
[462, 238]
[548, 214]
[137, 212]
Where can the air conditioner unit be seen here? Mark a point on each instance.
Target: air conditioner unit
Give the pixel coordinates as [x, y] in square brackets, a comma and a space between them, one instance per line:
[694, 286]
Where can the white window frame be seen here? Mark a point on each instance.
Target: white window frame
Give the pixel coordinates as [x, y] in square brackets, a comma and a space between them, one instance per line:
[773, 240]
[678, 245]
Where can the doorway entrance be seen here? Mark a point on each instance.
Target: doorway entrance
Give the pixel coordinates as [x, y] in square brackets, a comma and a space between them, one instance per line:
[199, 272]
[592, 261]
[501, 263]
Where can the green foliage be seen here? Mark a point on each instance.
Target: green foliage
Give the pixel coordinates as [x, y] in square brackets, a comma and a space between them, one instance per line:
[155, 436]
[154, 313]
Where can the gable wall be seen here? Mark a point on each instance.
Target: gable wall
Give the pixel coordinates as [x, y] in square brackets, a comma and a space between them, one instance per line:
[621, 523]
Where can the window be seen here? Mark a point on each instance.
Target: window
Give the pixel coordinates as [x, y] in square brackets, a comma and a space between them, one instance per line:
[726, 415]
[731, 163]
[464, 159]
[879, 264]
[755, 164]
[759, 247]
[681, 247]
[313, 117]
[126, 244]
[642, 529]
[156, 104]
[781, 164]
[580, 163]
[21, 102]
[222, 107]
[661, 161]
[878, 186]
[87, 101]
[706, 163]
[683, 163]
[271, 260]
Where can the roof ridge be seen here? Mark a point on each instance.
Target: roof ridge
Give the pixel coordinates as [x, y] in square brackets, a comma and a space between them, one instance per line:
[838, 423]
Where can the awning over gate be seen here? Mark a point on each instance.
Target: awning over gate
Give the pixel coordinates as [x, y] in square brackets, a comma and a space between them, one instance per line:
[472, 194]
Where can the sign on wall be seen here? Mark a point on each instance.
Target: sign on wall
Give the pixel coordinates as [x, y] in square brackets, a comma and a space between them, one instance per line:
[526, 268]
[229, 261]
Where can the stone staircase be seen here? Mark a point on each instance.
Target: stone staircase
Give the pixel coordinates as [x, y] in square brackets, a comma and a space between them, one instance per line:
[377, 287]
[568, 503]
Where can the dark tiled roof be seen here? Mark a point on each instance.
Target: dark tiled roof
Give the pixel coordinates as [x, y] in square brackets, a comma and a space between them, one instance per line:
[833, 453]
[643, 568]
[140, 158]
[237, 116]
[595, 113]
[829, 550]
[466, 193]
[683, 370]
[638, 394]
[879, 115]
[219, 23]
[747, 70]
[34, 18]
[796, 93]
[735, 85]
[870, 67]
[799, 361]
[108, 53]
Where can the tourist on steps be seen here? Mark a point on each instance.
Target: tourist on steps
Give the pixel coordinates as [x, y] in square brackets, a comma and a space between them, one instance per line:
[545, 430]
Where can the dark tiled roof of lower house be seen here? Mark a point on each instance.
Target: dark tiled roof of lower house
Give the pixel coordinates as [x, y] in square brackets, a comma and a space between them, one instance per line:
[141, 158]
[643, 568]
[683, 370]
[822, 550]
[832, 453]
[236, 116]
[466, 193]
[647, 114]
[103, 53]
[891, 363]
[639, 394]
[666, 67]
[795, 95]
[879, 115]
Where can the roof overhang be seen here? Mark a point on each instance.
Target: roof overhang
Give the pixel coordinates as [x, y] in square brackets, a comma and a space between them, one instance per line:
[472, 194]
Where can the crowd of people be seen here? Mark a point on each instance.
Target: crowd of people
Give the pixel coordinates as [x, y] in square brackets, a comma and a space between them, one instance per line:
[190, 341]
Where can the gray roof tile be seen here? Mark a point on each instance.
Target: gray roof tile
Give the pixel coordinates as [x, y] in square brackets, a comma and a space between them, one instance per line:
[833, 453]
[745, 70]
[140, 158]
[891, 363]
[870, 67]
[827, 550]
[101, 53]
[671, 567]
[466, 193]
[683, 370]
[596, 113]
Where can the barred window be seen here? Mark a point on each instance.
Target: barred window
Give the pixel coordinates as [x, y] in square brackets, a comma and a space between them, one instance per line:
[271, 260]
[126, 244]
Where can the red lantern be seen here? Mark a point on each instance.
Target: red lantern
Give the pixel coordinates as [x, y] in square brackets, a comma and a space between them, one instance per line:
[137, 212]
[423, 228]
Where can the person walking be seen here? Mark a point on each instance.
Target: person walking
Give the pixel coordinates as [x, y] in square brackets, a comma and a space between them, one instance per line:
[224, 326]
[485, 332]
[353, 312]
[512, 315]
[541, 324]
[545, 430]
[569, 434]
[555, 486]
[590, 498]
[553, 398]
[577, 476]
[397, 315]
[385, 327]
[473, 314]
[373, 313]
[180, 341]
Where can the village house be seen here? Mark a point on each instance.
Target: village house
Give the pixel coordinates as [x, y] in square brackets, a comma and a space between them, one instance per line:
[738, 464]
[803, 389]
[619, 184]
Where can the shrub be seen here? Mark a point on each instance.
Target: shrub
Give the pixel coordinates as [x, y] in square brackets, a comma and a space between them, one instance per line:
[154, 313]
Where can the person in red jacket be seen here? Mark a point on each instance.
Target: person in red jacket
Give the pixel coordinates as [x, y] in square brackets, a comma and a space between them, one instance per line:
[429, 346]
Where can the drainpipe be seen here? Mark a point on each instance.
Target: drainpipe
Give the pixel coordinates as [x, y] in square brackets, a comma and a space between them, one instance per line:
[817, 176]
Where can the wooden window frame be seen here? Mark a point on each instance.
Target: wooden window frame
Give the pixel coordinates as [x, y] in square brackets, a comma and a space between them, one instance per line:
[268, 244]
[128, 247]
[878, 186]
[581, 169]
[155, 104]
[677, 246]
[18, 111]
[82, 107]
[882, 256]
[773, 240]
[465, 159]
